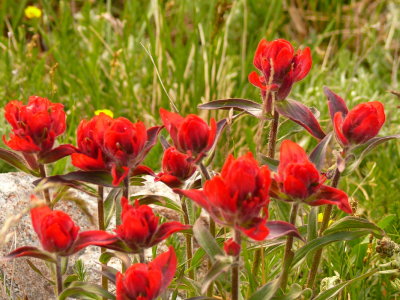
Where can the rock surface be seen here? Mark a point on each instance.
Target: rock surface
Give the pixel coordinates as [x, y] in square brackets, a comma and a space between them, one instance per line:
[18, 280]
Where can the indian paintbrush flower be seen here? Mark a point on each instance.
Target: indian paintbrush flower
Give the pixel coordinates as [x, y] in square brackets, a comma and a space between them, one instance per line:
[280, 66]
[358, 125]
[59, 234]
[35, 125]
[299, 180]
[140, 228]
[177, 167]
[191, 134]
[147, 281]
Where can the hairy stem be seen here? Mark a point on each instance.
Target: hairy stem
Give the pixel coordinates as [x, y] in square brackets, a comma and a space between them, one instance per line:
[101, 225]
[59, 280]
[235, 269]
[325, 221]
[288, 256]
[188, 238]
[46, 192]
[273, 133]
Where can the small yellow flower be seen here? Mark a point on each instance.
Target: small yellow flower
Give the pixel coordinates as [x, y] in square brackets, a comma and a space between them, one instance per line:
[321, 217]
[32, 12]
[104, 111]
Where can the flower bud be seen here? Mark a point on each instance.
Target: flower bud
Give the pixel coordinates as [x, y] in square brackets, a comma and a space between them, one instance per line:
[232, 248]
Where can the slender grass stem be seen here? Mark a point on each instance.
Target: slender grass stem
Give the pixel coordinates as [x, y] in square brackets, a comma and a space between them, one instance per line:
[288, 255]
[188, 238]
[325, 222]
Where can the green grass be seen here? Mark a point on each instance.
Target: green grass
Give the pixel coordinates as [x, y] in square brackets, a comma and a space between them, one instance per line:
[134, 57]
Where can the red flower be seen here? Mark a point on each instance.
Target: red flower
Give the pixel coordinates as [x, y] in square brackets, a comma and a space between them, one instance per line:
[140, 228]
[90, 139]
[59, 234]
[147, 281]
[236, 197]
[232, 248]
[299, 180]
[35, 125]
[191, 134]
[358, 125]
[177, 167]
[278, 58]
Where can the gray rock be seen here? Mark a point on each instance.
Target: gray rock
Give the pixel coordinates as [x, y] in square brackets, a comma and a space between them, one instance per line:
[17, 278]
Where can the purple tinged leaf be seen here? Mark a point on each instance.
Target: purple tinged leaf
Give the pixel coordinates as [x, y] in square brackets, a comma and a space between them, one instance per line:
[30, 252]
[278, 229]
[56, 154]
[17, 161]
[248, 106]
[335, 103]
[302, 115]
[92, 238]
[95, 177]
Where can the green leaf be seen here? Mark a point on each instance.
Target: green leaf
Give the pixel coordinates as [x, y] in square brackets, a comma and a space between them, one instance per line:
[295, 292]
[158, 200]
[386, 221]
[36, 270]
[312, 226]
[17, 161]
[361, 151]
[248, 106]
[332, 292]
[124, 258]
[206, 240]
[270, 162]
[267, 291]
[350, 222]
[221, 265]
[109, 205]
[325, 240]
[318, 155]
[78, 288]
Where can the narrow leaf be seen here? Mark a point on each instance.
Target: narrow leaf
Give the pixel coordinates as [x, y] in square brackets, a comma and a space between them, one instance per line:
[17, 161]
[30, 252]
[78, 288]
[56, 154]
[278, 229]
[318, 155]
[335, 103]
[267, 291]
[270, 162]
[301, 114]
[332, 292]
[248, 106]
[219, 267]
[350, 222]
[206, 240]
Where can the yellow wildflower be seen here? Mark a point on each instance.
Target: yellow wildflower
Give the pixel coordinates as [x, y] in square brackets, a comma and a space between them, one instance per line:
[104, 111]
[32, 12]
[321, 217]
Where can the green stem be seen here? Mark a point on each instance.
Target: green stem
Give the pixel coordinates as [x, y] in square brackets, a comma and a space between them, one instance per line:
[325, 222]
[235, 269]
[59, 281]
[189, 247]
[46, 193]
[288, 256]
[206, 175]
[101, 224]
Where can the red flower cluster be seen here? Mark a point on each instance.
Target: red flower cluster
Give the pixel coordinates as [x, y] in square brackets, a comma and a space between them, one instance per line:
[358, 125]
[236, 197]
[147, 281]
[177, 167]
[140, 228]
[35, 125]
[279, 60]
[113, 144]
[299, 180]
[190, 135]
